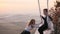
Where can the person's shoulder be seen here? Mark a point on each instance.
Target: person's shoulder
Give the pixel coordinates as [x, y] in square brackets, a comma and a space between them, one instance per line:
[50, 18]
[42, 17]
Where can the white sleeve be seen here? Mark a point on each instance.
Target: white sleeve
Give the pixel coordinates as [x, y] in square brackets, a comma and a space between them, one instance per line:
[50, 24]
[41, 23]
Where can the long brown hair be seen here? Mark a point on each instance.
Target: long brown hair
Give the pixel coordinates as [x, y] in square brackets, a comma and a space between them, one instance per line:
[31, 22]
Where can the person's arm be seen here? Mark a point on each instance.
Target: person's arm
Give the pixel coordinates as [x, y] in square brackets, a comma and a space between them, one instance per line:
[36, 25]
[50, 18]
[50, 23]
[39, 24]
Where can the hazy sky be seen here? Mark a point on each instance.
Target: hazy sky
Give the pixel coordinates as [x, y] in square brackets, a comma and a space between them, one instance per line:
[22, 6]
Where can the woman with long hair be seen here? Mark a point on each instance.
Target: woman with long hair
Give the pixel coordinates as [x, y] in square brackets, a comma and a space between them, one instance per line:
[30, 26]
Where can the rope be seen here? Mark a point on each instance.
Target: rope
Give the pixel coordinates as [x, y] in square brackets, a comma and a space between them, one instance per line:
[47, 4]
[39, 8]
